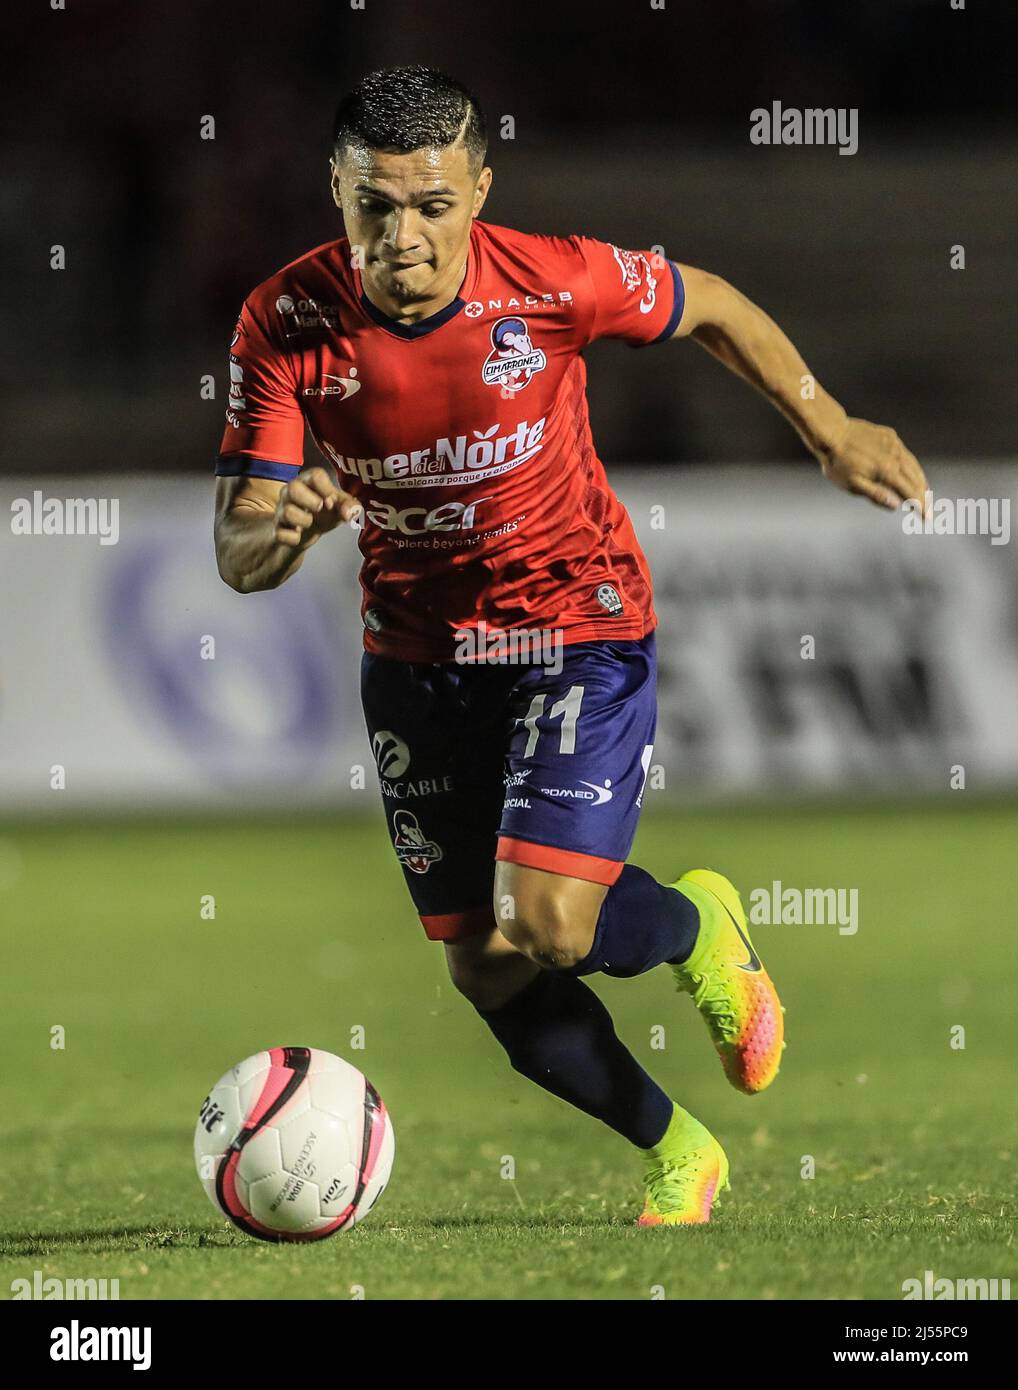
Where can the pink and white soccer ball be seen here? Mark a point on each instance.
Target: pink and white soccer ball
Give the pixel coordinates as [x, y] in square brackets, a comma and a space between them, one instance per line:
[294, 1144]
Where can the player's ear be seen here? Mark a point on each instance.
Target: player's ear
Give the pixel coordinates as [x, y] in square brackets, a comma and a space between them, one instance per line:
[334, 181]
[481, 190]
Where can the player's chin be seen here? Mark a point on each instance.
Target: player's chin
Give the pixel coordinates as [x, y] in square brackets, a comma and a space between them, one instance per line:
[410, 283]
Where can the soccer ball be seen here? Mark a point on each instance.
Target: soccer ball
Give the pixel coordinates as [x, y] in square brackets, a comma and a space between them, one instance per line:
[293, 1144]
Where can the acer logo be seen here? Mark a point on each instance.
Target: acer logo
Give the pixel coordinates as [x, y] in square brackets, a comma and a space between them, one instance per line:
[415, 521]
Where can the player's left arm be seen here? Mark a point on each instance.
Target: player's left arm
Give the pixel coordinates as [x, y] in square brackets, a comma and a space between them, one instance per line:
[854, 454]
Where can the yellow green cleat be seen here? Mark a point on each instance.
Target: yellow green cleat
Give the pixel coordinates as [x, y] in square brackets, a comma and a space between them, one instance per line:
[729, 985]
[683, 1173]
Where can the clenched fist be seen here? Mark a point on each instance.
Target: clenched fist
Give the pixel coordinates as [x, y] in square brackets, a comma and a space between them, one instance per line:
[311, 505]
[871, 460]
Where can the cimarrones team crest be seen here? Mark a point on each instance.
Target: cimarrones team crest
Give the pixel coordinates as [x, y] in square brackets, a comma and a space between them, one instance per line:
[413, 848]
[513, 359]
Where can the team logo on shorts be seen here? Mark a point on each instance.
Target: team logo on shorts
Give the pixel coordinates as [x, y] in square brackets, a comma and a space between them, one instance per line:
[413, 849]
[391, 754]
[593, 795]
[645, 764]
[609, 600]
[513, 359]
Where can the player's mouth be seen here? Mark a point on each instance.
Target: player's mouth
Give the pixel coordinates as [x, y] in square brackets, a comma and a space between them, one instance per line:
[403, 265]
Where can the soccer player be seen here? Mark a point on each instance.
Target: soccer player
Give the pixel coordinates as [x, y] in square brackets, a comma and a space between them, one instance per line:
[508, 678]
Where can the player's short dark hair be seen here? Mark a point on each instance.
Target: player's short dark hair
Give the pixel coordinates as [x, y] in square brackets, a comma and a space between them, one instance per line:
[410, 108]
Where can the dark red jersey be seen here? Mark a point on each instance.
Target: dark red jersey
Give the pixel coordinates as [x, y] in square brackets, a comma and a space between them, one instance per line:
[466, 436]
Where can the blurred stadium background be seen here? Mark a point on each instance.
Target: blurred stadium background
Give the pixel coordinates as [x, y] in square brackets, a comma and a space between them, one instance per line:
[631, 125]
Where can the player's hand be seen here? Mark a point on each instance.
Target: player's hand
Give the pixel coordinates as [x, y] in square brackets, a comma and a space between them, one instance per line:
[871, 460]
[311, 505]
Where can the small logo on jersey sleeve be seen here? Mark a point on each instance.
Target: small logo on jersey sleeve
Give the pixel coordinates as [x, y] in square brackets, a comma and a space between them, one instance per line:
[238, 401]
[636, 271]
[335, 388]
[513, 359]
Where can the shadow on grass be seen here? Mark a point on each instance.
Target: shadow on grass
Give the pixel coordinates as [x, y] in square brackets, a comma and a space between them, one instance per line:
[543, 1222]
[113, 1239]
[118, 1238]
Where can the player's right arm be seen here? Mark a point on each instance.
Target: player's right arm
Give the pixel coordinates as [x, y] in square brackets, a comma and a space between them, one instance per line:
[270, 509]
[263, 527]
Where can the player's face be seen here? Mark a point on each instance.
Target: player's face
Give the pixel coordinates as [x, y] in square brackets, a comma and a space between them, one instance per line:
[410, 215]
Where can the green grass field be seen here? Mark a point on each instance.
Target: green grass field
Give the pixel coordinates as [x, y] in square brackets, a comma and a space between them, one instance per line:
[914, 1142]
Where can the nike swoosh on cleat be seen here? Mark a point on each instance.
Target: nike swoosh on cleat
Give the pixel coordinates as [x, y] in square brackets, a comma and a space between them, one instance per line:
[754, 965]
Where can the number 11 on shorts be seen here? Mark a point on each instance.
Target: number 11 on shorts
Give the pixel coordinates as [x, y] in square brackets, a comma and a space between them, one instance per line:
[568, 708]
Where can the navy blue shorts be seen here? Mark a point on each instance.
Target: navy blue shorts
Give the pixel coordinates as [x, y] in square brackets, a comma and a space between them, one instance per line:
[480, 762]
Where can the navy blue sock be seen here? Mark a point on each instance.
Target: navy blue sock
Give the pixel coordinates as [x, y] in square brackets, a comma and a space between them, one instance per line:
[559, 1034]
[642, 924]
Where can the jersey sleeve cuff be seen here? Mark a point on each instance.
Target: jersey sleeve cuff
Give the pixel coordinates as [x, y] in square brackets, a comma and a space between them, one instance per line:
[244, 466]
[678, 304]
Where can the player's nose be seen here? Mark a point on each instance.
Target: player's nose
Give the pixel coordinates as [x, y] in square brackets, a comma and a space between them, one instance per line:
[403, 232]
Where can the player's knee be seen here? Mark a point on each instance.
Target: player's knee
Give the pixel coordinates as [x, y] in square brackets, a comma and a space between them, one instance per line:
[487, 978]
[548, 931]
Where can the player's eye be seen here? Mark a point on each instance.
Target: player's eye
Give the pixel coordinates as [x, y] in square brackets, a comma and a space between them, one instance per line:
[374, 206]
[434, 209]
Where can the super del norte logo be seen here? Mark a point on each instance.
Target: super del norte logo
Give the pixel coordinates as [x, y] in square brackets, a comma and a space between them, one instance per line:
[448, 461]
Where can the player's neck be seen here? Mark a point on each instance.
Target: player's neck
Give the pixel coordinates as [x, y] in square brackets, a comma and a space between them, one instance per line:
[413, 311]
